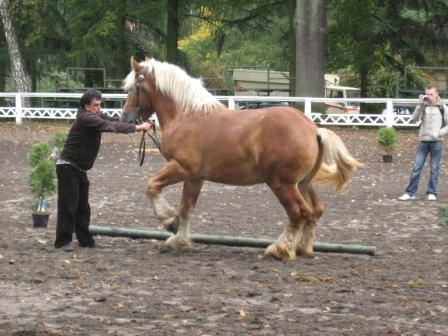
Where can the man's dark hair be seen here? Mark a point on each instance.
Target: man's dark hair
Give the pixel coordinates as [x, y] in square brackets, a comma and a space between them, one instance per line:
[88, 96]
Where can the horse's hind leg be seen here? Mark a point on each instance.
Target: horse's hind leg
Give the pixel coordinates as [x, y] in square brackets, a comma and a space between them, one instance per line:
[169, 174]
[190, 196]
[305, 246]
[298, 211]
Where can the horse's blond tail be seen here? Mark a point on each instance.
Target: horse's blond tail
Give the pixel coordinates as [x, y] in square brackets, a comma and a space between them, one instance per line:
[338, 164]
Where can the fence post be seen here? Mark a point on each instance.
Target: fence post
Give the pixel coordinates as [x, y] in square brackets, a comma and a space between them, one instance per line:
[231, 103]
[389, 113]
[18, 108]
[308, 108]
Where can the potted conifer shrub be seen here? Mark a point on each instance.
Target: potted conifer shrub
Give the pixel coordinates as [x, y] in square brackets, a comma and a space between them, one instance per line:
[42, 177]
[387, 139]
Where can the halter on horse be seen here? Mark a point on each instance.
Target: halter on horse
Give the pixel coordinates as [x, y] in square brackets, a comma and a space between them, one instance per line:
[203, 140]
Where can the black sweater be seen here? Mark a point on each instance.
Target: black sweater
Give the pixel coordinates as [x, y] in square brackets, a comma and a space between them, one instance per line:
[84, 139]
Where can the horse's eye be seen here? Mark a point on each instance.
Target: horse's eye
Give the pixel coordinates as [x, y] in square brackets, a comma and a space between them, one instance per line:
[141, 77]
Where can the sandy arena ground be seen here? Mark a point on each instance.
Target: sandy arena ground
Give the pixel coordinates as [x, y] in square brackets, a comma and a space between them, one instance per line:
[131, 288]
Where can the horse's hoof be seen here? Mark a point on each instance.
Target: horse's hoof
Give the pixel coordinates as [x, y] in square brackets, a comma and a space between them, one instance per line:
[176, 243]
[279, 251]
[307, 251]
[164, 248]
[172, 224]
[304, 253]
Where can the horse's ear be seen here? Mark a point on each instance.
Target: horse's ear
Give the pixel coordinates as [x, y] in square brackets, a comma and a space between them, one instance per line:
[135, 65]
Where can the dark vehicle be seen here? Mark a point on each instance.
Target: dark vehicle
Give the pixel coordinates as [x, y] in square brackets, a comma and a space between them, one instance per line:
[401, 110]
[258, 105]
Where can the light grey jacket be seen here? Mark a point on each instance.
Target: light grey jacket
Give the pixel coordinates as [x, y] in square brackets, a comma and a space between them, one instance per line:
[431, 127]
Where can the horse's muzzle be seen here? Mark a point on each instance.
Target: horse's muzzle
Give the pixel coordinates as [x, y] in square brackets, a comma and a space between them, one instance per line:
[125, 117]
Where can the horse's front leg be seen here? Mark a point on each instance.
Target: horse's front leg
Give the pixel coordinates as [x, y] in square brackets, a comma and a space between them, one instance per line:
[171, 173]
[190, 196]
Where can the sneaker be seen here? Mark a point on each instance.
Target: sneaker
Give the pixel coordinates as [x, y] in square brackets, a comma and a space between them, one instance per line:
[67, 247]
[406, 197]
[432, 197]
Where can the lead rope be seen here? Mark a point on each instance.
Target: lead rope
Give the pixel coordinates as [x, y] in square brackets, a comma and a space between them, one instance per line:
[142, 147]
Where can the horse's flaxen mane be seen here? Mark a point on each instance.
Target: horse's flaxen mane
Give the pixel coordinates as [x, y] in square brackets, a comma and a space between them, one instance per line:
[187, 93]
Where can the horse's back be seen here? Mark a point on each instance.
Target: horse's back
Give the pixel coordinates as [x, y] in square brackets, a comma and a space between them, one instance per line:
[285, 126]
[283, 140]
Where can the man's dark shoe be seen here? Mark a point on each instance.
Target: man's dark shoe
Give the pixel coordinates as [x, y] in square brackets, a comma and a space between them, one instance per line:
[98, 245]
[95, 245]
[67, 247]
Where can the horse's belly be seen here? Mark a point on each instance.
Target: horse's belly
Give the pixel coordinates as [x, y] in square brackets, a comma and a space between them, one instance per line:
[243, 173]
[236, 181]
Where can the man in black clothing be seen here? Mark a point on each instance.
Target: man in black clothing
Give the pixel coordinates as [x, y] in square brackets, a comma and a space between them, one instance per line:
[79, 153]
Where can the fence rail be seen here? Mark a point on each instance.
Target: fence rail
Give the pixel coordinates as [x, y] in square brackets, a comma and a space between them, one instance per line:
[16, 110]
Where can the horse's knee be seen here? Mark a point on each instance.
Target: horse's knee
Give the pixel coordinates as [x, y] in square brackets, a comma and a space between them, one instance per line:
[152, 188]
[307, 212]
[318, 209]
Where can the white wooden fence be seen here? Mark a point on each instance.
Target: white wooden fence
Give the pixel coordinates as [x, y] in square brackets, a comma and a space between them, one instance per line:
[17, 111]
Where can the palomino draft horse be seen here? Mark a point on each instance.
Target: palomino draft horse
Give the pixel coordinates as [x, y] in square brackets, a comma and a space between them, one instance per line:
[203, 140]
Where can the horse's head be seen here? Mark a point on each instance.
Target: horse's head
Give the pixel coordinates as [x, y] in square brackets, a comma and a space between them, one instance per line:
[138, 105]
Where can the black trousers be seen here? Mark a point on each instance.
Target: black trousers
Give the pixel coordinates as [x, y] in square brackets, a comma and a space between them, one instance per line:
[73, 206]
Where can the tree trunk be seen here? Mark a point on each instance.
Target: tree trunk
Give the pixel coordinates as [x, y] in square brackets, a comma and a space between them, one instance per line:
[33, 75]
[17, 64]
[122, 67]
[3, 64]
[172, 31]
[364, 79]
[292, 47]
[310, 47]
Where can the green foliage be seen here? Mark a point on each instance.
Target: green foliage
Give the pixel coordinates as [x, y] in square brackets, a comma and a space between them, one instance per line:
[385, 36]
[387, 138]
[442, 217]
[39, 152]
[246, 34]
[42, 177]
[373, 37]
[58, 140]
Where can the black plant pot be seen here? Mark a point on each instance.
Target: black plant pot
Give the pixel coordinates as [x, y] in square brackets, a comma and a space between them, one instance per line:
[40, 219]
[387, 158]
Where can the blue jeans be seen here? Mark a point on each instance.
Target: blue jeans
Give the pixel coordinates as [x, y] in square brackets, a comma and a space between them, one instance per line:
[434, 148]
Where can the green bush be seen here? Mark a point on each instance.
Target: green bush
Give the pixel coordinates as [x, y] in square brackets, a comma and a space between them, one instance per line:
[42, 177]
[39, 152]
[442, 217]
[58, 140]
[387, 138]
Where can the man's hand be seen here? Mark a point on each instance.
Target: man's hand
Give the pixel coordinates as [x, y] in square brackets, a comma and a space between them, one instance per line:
[422, 98]
[146, 126]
